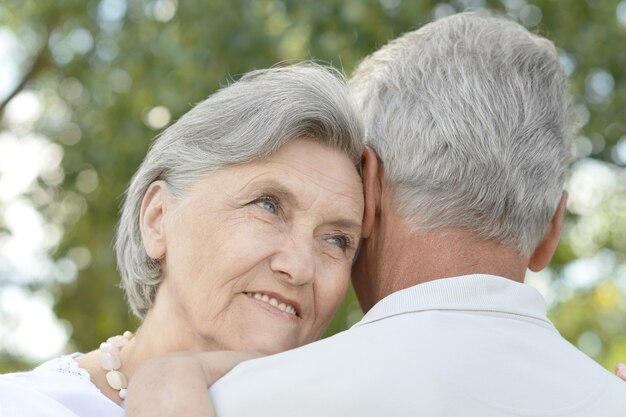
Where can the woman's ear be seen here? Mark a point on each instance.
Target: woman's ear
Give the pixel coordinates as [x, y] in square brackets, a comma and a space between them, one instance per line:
[543, 253]
[371, 170]
[152, 220]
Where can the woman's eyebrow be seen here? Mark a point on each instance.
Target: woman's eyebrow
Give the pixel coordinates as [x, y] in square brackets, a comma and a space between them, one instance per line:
[346, 224]
[275, 188]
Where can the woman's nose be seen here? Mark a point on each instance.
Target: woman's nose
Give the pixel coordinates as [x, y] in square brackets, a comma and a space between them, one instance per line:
[295, 262]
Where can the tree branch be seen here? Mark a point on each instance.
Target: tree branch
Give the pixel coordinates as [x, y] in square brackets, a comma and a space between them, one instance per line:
[37, 65]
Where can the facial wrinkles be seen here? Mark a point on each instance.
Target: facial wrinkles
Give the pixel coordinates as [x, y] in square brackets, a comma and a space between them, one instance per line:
[343, 185]
[328, 197]
[336, 187]
[246, 280]
[308, 187]
[320, 197]
[218, 293]
[318, 167]
[311, 190]
[246, 214]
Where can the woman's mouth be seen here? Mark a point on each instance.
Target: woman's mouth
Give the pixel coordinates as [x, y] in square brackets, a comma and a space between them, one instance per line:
[274, 302]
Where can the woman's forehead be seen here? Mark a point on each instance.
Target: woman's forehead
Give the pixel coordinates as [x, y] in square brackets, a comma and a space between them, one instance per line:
[306, 164]
[304, 177]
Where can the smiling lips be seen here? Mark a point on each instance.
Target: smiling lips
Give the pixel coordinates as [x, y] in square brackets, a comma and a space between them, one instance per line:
[287, 308]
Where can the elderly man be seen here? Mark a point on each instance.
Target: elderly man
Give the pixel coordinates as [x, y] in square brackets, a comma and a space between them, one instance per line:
[470, 124]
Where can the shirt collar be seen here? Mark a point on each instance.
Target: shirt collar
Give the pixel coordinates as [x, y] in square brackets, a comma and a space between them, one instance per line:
[487, 293]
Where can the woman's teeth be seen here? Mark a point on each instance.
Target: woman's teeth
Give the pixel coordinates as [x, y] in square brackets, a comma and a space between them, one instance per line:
[273, 302]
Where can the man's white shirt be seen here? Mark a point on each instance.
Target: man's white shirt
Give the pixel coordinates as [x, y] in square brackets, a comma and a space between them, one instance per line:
[476, 345]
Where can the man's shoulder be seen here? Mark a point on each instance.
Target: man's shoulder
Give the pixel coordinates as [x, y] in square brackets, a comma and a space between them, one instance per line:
[426, 361]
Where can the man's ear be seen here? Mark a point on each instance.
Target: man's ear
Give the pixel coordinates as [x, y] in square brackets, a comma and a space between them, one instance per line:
[543, 252]
[151, 220]
[371, 169]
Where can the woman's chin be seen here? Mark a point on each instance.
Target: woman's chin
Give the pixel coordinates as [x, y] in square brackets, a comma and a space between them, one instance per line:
[265, 339]
[271, 344]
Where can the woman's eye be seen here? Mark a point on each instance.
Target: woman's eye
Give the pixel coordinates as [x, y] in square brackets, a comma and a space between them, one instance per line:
[268, 204]
[341, 241]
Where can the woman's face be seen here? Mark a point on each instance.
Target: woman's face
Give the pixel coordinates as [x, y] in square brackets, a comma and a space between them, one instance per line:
[258, 256]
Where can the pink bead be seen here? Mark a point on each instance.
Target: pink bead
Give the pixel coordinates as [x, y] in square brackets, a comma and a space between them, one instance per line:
[117, 341]
[109, 348]
[110, 362]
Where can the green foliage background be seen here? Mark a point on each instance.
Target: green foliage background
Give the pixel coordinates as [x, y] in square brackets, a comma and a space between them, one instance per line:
[100, 66]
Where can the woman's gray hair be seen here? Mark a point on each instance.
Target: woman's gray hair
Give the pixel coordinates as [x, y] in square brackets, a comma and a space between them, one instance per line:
[243, 122]
[472, 120]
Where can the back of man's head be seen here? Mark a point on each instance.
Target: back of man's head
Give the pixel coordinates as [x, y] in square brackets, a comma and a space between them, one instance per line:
[471, 118]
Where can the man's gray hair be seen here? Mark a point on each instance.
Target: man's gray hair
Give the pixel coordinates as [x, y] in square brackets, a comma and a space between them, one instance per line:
[472, 120]
[243, 122]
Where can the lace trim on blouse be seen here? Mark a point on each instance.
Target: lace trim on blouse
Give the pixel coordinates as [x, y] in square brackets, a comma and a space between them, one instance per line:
[67, 365]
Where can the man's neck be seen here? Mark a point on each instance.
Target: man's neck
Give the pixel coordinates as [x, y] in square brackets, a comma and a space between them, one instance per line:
[395, 259]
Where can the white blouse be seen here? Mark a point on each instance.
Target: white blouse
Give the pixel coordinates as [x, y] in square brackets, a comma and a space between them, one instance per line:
[56, 388]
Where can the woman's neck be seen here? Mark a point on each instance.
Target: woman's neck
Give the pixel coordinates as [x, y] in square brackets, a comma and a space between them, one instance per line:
[158, 335]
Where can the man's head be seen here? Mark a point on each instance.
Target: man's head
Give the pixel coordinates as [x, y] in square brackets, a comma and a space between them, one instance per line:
[471, 119]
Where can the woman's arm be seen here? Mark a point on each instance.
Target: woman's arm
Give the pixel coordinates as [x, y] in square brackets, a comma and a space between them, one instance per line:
[176, 384]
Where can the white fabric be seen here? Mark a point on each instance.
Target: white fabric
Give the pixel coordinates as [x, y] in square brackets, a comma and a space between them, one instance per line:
[476, 345]
[57, 388]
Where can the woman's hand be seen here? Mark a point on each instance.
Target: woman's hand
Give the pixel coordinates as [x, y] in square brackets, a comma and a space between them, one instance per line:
[620, 370]
[176, 384]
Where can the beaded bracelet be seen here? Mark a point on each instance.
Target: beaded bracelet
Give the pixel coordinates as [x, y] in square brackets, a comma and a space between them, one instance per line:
[111, 362]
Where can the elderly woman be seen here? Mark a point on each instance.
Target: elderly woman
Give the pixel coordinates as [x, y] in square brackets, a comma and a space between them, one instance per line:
[237, 233]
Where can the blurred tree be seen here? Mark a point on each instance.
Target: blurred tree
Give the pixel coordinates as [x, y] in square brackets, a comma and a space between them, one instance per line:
[109, 74]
